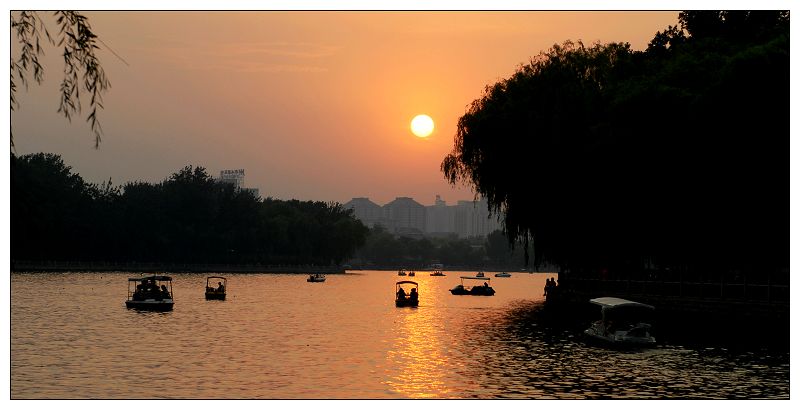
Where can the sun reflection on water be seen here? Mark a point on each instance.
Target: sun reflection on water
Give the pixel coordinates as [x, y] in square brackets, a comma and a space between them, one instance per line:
[415, 361]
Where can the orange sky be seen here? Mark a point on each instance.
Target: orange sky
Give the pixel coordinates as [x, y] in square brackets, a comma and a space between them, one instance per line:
[313, 105]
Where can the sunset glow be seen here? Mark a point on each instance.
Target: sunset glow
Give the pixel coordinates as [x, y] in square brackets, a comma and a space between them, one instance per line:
[422, 125]
[271, 92]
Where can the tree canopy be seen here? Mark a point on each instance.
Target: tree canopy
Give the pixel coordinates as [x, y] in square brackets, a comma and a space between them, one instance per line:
[188, 218]
[608, 157]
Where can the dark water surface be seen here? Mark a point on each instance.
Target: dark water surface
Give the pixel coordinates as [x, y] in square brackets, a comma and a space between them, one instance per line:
[279, 337]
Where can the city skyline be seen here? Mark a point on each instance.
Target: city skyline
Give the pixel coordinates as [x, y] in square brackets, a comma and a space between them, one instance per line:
[315, 105]
[405, 216]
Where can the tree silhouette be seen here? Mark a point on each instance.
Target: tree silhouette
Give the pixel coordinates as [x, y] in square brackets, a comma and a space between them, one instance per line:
[612, 158]
[188, 218]
[82, 69]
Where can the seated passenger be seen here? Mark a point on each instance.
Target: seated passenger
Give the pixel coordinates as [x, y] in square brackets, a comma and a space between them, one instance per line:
[414, 295]
[220, 288]
[164, 291]
[401, 294]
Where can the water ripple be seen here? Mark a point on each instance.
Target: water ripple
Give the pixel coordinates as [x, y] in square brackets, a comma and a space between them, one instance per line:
[279, 337]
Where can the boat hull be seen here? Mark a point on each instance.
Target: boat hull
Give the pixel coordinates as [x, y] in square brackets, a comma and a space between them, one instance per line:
[476, 291]
[152, 305]
[215, 296]
[618, 339]
[315, 280]
[406, 303]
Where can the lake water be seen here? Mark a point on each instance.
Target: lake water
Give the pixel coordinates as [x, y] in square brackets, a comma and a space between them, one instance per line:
[280, 337]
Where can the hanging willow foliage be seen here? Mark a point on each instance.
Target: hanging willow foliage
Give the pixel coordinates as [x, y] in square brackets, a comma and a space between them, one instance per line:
[82, 69]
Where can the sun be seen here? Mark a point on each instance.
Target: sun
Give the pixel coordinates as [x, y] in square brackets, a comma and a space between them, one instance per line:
[422, 125]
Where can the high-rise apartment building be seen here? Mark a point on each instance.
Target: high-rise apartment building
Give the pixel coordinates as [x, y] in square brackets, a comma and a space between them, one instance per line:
[405, 216]
[368, 212]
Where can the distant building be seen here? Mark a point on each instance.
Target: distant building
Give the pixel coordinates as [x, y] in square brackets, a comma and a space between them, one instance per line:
[406, 217]
[439, 218]
[368, 212]
[235, 177]
[472, 219]
[405, 214]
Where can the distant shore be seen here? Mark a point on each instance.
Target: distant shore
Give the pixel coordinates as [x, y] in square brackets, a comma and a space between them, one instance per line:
[84, 266]
[58, 266]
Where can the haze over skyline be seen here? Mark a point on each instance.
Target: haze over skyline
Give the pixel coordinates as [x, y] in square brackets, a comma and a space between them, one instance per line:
[313, 105]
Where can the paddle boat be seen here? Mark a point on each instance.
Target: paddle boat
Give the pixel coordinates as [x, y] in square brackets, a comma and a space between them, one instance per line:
[403, 299]
[401, 272]
[480, 275]
[216, 293]
[477, 290]
[622, 323]
[150, 293]
[502, 275]
[438, 273]
[412, 273]
[316, 277]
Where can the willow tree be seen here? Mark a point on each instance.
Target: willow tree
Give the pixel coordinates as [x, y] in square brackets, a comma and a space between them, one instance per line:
[613, 158]
[82, 71]
[524, 143]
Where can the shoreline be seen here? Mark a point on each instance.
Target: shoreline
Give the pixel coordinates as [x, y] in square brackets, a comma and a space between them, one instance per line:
[60, 266]
[31, 267]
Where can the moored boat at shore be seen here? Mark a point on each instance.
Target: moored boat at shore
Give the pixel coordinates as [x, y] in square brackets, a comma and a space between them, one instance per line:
[623, 322]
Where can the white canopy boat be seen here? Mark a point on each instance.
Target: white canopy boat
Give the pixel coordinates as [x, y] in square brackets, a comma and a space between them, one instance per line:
[623, 322]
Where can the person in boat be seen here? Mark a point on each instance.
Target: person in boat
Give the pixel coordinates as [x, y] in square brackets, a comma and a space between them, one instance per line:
[220, 288]
[485, 284]
[149, 290]
[164, 292]
[139, 294]
[401, 294]
[546, 286]
[414, 295]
